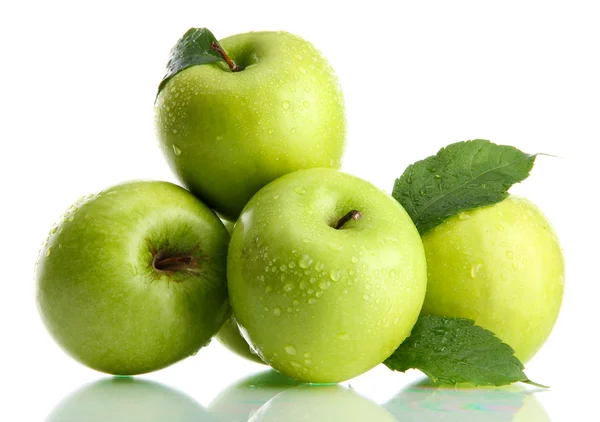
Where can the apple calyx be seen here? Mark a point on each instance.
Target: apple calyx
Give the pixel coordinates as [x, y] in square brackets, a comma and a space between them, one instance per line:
[175, 263]
[352, 215]
[216, 47]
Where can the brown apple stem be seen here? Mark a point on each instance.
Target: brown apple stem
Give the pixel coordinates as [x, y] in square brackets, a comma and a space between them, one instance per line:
[216, 47]
[174, 263]
[352, 215]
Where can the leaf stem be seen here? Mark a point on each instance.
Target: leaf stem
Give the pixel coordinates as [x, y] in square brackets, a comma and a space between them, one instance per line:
[352, 215]
[216, 47]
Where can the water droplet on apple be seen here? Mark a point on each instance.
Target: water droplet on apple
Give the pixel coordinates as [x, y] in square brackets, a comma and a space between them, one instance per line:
[174, 131]
[293, 130]
[324, 285]
[271, 131]
[268, 289]
[296, 302]
[285, 104]
[288, 287]
[306, 104]
[305, 261]
[290, 350]
[176, 150]
[300, 190]
[283, 267]
[312, 301]
[475, 269]
[354, 259]
[277, 311]
[292, 89]
[509, 254]
[366, 297]
[463, 216]
[392, 273]
[49, 251]
[334, 275]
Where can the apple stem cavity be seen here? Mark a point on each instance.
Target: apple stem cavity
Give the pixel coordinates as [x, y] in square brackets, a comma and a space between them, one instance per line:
[352, 215]
[216, 47]
[175, 263]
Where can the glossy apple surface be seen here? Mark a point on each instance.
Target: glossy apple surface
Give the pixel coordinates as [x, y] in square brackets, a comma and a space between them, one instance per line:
[501, 266]
[227, 134]
[134, 278]
[318, 303]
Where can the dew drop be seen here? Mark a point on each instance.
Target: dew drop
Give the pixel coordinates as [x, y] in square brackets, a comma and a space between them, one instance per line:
[463, 216]
[276, 311]
[300, 190]
[509, 254]
[312, 301]
[319, 266]
[285, 104]
[288, 287]
[176, 150]
[324, 285]
[475, 269]
[290, 350]
[296, 302]
[49, 251]
[293, 130]
[334, 275]
[219, 137]
[354, 259]
[305, 261]
[343, 336]
[305, 104]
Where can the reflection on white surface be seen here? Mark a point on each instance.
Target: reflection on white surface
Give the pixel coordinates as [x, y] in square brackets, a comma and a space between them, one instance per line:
[241, 400]
[270, 396]
[128, 399]
[321, 404]
[425, 402]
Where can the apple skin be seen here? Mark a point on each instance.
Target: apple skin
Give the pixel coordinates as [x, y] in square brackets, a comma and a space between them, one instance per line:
[501, 266]
[228, 134]
[316, 303]
[101, 296]
[229, 336]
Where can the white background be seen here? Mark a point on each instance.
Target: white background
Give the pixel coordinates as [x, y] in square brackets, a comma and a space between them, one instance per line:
[78, 80]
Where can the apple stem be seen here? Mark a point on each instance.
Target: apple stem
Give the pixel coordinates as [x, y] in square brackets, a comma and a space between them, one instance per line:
[174, 263]
[352, 215]
[216, 47]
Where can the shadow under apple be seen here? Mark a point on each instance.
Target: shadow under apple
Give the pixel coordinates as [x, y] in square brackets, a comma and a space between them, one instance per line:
[424, 402]
[128, 399]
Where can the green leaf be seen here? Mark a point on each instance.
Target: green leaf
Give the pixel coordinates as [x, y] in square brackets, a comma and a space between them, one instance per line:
[194, 48]
[454, 350]
[461, 176]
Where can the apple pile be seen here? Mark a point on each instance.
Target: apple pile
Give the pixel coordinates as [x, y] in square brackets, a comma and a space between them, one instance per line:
[324, 275]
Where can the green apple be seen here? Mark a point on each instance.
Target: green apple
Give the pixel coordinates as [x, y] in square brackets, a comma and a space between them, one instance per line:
[316, 302]
[229, 336]
[126, 399]
[500, 265]
[227, 134]
[321, 403]
[133, 279]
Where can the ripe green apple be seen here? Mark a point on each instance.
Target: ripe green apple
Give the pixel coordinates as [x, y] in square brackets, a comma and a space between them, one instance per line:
[500, 265]
[227, 134]
[318, 303]
[229, 335]
[133, 279]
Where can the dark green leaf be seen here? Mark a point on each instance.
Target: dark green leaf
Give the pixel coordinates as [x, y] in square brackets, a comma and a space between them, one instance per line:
[454, 350]
[462, 176]
[192, 49]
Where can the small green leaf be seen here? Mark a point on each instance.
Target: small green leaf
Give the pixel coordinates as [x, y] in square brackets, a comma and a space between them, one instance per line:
[461, 176]
[454, 350]
[192, 49]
